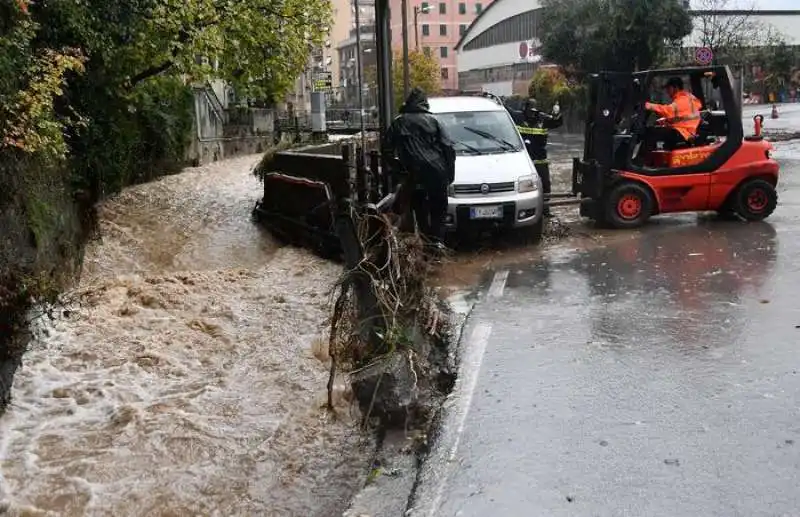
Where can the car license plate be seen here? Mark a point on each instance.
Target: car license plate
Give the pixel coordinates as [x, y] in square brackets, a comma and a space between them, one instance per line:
[486, 212]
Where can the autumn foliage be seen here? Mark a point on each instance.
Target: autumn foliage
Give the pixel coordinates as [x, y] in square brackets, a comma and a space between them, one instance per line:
[424, 72]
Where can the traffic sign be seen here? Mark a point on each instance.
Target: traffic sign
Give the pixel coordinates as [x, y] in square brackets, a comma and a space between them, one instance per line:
[323, 82]
[704, 56]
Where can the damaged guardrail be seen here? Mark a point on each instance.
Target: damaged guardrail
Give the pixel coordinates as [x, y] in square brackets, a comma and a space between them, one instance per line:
[303, 188]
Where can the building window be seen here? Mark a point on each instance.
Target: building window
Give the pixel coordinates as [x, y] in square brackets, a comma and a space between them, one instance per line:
[442, 8]
[462, 8]
[442, 30]
[478, 8]
[442, 51]
[424, 7]
[426, 29]
[445, 73]
[428, 51]
[462, 29]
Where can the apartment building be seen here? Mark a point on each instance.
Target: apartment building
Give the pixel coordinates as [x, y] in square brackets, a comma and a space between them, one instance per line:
[436, 27]
[348, 63]
[348, 53]
[326, 58]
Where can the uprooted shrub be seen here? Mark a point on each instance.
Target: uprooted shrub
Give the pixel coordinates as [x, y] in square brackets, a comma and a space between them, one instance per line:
[389, 329]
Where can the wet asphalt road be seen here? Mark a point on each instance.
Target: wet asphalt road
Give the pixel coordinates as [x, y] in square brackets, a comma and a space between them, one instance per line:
[655, 374]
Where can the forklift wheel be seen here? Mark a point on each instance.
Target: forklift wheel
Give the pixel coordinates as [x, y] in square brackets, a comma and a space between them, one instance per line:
[755, 200]
[629, 205]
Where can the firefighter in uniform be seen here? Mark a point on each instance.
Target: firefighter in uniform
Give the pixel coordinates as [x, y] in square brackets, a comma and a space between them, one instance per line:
[534, 126]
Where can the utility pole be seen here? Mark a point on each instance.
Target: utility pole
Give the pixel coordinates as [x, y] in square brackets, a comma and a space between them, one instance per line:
[406, 73]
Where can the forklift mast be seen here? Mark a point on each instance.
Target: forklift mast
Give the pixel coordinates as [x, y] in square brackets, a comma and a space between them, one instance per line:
[610, 96]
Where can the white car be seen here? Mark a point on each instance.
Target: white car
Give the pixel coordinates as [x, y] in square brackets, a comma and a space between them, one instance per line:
[496, 184]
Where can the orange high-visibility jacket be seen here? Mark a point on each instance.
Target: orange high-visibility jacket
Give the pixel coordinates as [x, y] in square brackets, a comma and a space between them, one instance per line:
[683, 114]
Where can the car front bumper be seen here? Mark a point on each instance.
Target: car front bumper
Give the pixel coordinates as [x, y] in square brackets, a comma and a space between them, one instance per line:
[518, 210]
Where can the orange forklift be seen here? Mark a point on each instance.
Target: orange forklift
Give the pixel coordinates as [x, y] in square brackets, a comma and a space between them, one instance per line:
[621, 185]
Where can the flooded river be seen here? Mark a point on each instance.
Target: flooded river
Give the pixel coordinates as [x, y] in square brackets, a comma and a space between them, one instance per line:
[185, 382]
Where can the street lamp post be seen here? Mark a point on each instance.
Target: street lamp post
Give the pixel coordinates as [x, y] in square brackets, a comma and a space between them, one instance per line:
[417, 11]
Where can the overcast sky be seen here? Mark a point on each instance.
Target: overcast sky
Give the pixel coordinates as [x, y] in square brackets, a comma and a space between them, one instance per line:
[761, 4]
[778, 4]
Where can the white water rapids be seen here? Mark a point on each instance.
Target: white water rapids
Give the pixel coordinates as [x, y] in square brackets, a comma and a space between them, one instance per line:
[185, 383]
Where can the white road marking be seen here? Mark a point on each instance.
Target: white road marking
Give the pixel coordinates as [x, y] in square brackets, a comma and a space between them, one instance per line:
[498, 284]
[466, 383]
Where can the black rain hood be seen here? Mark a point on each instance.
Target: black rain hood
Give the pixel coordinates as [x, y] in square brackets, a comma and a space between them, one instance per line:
[421, 142]
[417, 102]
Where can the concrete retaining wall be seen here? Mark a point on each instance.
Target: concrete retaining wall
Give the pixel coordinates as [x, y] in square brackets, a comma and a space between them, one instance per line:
[221, 133]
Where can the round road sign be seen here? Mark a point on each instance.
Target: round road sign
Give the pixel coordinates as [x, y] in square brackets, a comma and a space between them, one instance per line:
[704, 56]
[523, 49]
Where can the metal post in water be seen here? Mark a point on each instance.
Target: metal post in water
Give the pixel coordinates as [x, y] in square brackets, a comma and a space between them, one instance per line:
[384, 55]
[374, 169]
[383, 45]
[360, 63]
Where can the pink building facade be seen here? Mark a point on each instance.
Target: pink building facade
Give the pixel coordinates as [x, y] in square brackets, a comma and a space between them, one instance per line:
[438, 28]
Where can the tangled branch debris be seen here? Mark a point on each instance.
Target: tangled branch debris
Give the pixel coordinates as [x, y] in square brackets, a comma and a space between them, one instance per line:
[395, 344]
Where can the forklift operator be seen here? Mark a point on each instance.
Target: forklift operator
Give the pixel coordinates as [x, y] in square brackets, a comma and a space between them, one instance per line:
[534, 126]
[678, 121]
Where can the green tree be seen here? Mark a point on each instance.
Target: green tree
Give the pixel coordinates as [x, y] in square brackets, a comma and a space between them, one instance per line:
[424, 72]
[585, 36]
[551, 85]
[31, 81]
[260, 46]
[779, 61]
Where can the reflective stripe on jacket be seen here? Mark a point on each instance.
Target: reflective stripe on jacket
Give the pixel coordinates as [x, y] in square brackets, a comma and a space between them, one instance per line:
[525, 130]
[683, 114]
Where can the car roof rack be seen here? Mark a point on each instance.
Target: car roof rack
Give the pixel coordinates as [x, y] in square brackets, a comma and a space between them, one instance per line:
[482, 93]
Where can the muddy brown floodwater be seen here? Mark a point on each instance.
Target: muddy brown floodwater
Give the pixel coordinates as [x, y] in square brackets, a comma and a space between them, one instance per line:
[185, 383]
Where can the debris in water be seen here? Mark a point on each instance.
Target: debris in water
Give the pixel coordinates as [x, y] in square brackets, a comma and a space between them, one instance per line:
[674, 461]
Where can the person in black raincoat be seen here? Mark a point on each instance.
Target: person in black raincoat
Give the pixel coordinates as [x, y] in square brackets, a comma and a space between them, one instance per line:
[534, 126]
[426, 153]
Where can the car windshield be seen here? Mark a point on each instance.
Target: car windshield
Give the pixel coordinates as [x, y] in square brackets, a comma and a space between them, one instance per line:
[481, 132]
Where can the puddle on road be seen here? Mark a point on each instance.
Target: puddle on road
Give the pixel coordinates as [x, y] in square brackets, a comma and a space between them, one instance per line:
[185, 382]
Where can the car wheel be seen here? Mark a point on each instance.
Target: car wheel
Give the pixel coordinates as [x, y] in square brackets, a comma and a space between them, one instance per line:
[629, 205]
[756, 200]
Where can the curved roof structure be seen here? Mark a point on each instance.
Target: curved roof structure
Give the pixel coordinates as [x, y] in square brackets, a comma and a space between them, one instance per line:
[495, 13]
[500, 10]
